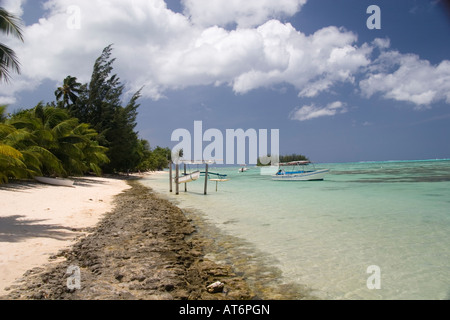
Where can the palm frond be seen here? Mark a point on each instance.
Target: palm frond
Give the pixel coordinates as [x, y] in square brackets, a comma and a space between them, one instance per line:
[11, 167]
[19, 139]
[65, 127]
[34, 164]
[9, 151]
[95, 168]
[10, 24]
[49, 161]
[8, 60]
[5, 130]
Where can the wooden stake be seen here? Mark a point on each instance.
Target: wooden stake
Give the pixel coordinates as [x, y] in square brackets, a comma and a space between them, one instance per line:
[170, 175]
[177, 176]
[185, 185]
[206, 179]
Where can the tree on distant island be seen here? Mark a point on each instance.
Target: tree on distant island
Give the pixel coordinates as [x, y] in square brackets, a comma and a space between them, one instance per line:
[9, 24]
[285, 158]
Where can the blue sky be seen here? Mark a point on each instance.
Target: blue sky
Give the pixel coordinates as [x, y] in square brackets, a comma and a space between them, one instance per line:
[336, 90]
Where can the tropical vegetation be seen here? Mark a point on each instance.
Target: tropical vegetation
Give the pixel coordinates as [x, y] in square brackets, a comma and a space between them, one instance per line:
[85, 130]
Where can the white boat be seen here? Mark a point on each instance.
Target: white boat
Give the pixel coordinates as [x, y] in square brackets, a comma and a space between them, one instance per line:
[243, 168]
[56, 181]
[189, 177]
[302, 174]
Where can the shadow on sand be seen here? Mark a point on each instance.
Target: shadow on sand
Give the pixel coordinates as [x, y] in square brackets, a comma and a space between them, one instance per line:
[12, 229]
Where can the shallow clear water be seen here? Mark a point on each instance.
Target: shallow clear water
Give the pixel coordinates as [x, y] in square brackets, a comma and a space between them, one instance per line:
[324, 235]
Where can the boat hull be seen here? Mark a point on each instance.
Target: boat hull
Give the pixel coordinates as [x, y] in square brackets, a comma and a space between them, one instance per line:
[317, 175]
[189, 177]
[55, 182]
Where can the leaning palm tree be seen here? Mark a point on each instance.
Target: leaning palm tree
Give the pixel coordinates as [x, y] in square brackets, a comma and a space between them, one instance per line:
[13, 162]
[9, 24]
[60, 144]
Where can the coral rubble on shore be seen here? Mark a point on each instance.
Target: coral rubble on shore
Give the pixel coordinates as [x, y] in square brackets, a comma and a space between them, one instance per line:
[144, 249]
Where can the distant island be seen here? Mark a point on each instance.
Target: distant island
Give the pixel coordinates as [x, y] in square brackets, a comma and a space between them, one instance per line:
[285, 158]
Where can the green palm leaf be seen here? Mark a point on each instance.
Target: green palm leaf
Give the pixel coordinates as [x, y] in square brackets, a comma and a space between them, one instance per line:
[9, 151]
[51, 164]
[63, 128]
[9, 24]
[11, 167]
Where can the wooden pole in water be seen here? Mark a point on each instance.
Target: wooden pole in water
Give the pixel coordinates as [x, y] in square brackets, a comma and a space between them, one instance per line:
[206, 179]
[170, 175]
[177, 176]
[185, 185]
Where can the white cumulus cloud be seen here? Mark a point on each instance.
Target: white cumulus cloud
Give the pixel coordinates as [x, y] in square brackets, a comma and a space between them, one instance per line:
[14, 6]
[311, 64]
[312, 111]
[406, 77]
[159, 49]
[162, 50]
[248, 13]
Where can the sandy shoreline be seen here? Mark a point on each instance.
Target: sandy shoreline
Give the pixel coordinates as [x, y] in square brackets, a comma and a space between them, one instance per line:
[143, 248]
[37, 220]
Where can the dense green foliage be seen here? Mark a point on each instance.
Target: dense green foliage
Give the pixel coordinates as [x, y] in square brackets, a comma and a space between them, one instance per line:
[87, 129]
[99, 103]
[47, 141]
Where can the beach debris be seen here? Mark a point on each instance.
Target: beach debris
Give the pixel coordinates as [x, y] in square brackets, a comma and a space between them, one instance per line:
[215, 287]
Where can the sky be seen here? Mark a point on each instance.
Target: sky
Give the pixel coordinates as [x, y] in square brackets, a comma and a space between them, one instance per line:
[337, 90]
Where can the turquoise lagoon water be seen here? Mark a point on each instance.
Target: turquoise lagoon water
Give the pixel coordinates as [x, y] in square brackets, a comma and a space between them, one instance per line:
[321, 237]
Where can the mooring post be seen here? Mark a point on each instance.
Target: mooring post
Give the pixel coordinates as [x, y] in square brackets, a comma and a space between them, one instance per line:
[185, 185]
[206, 179]
[170, 175]
[177, 177]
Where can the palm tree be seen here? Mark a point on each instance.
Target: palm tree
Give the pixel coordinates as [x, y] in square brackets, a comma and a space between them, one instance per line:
[9, 24]
[93, 155]
[36, 139]
[68, 91]
[59, 142]
[47, 141]
[12, 161]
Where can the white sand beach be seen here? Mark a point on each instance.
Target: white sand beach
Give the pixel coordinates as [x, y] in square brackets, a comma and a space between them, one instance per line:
[37, 220]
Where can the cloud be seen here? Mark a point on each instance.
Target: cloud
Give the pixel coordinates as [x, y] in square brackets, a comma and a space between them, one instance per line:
[312, 64]
[7, 100]
[162, 50]
[249, 13]
[14, 6]
[406, 77]
[312, 111]
[142, 35]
